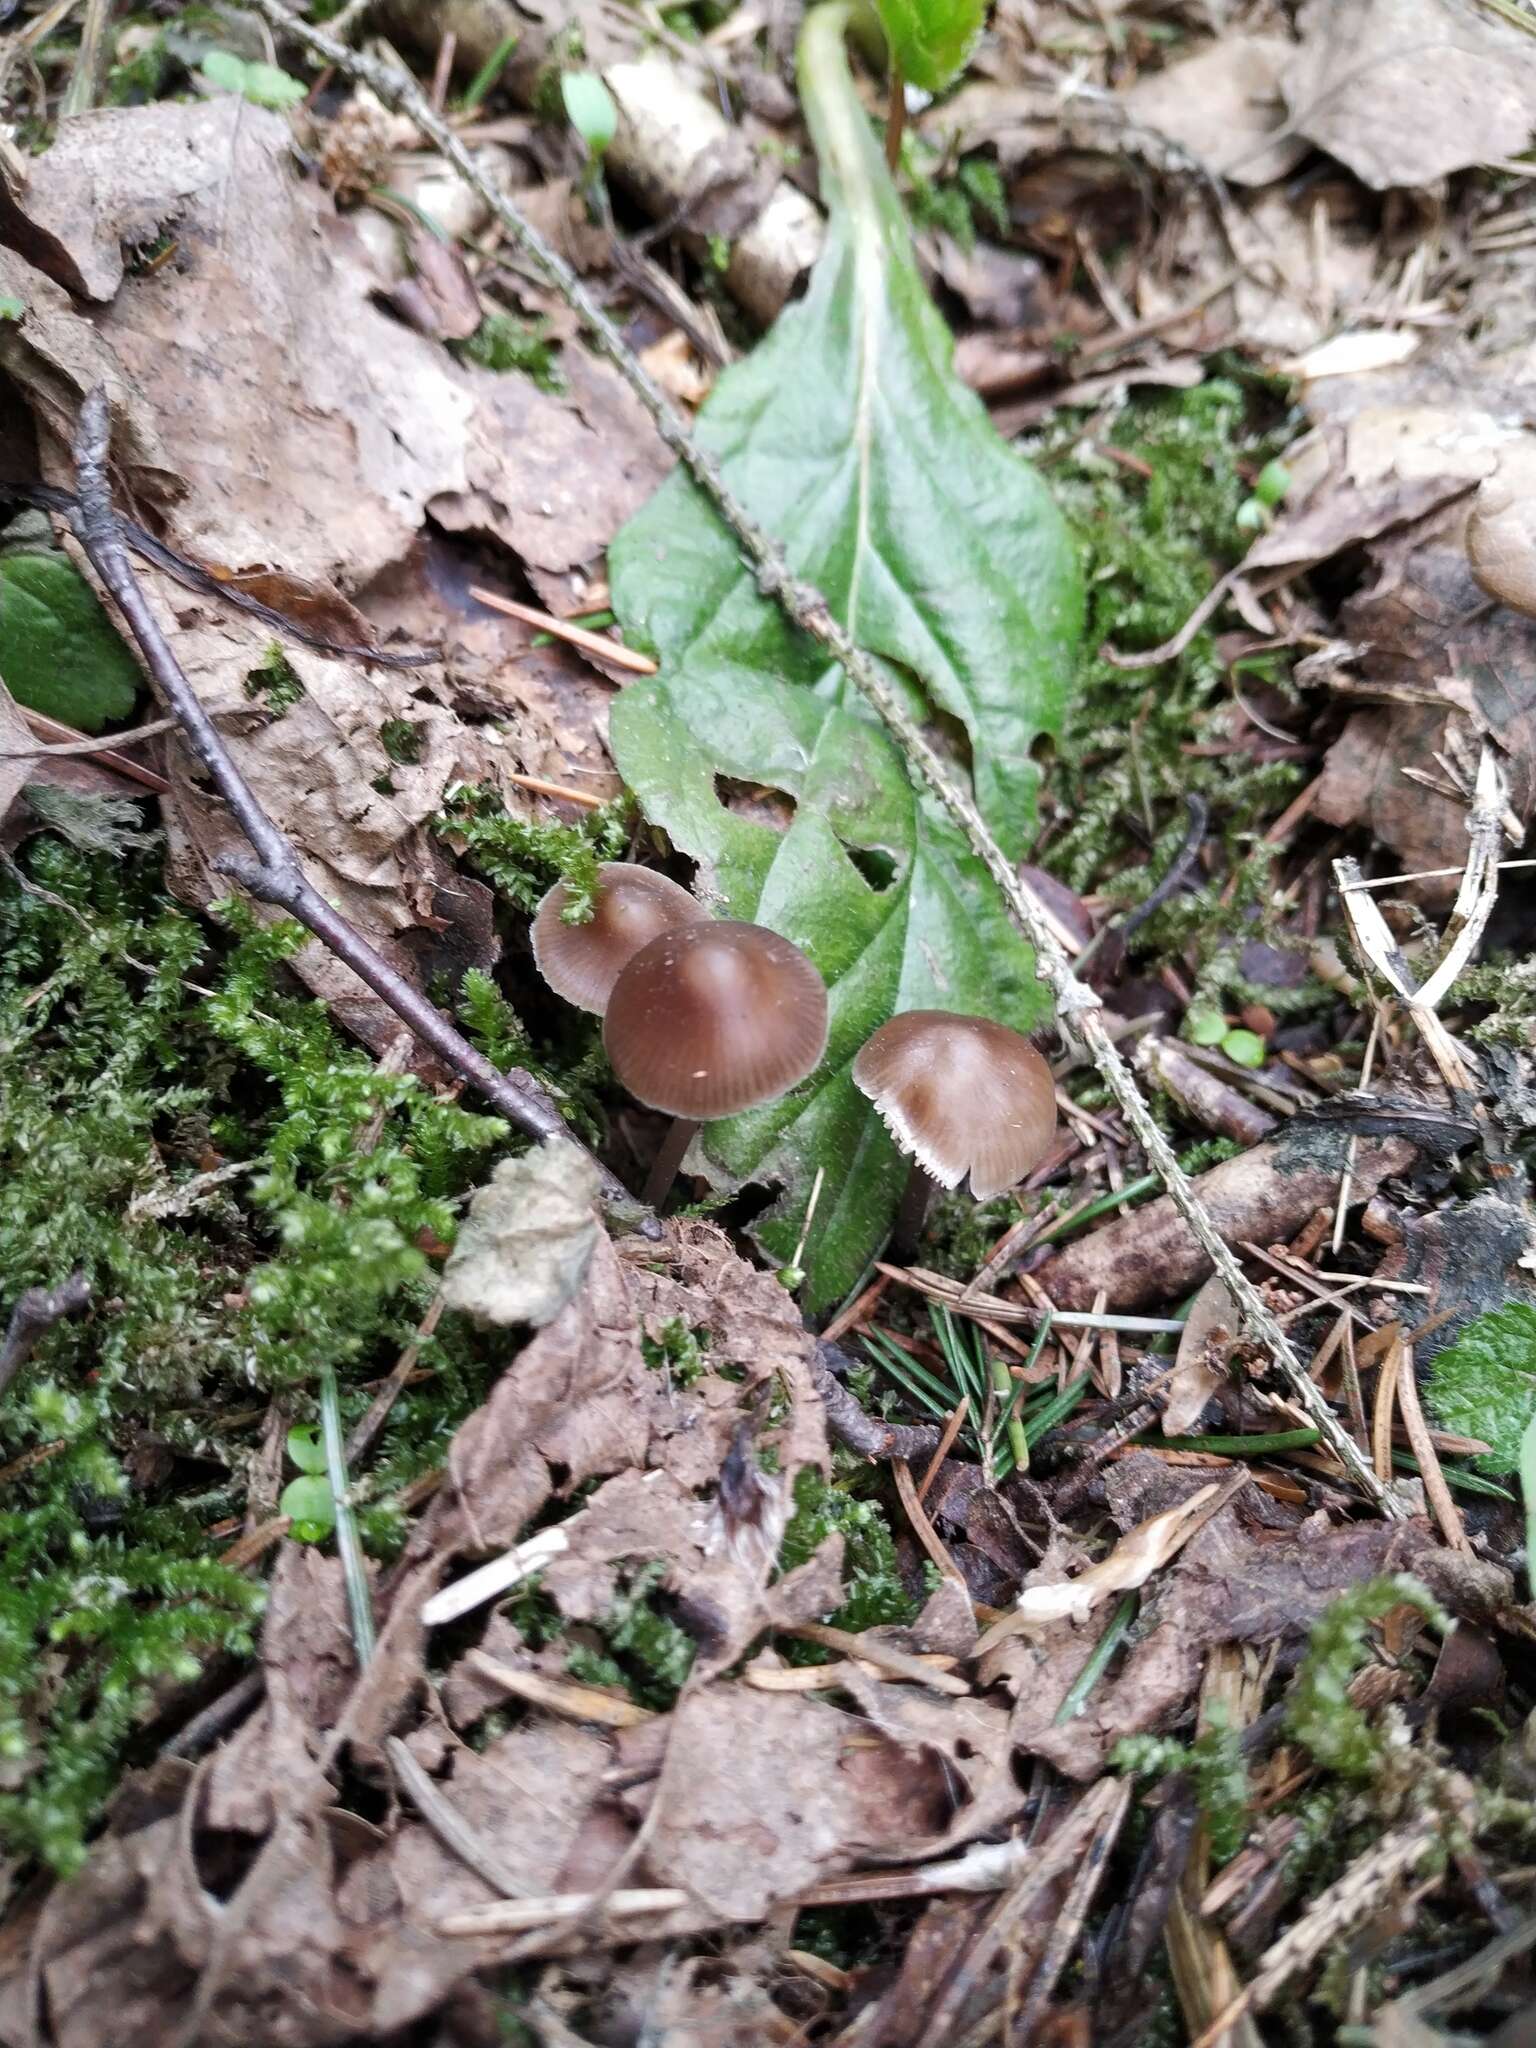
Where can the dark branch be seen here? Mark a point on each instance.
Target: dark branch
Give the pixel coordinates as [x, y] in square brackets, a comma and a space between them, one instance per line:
[863, 1433]
[38, 1309]
[274, 876]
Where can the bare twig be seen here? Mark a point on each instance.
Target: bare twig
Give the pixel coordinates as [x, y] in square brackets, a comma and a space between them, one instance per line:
[35, 1313]
[1078, 1009]
[863, 1433]
[274, 875]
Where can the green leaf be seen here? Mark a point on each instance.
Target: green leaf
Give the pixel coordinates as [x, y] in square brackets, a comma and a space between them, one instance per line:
[931, 39]
[590, 109]
[263, 84]
[311, 1505]
[1484, 1385]
[12, 308]
[847, 434]
[270, 87]
[58, 652]
[306, 1451]
[224, 69]
[1244, 1048]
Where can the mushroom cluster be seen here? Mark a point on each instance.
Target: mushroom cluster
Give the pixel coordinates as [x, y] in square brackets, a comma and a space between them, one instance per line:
[702, 1018]
[705, 1018]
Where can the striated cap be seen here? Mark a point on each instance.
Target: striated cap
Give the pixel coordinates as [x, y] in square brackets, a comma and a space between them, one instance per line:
[714, 1018]
[581, 962]
[962, 1095]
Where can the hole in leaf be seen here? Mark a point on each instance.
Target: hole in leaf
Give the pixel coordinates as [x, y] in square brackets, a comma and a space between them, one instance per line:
[874, 864]
[757, 801]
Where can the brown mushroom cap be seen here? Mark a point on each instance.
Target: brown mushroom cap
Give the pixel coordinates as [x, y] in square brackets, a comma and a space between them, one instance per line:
[634, 905]
[714, 1018]
[962, 1095]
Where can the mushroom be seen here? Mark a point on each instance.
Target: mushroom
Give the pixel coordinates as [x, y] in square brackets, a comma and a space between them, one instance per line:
[710, 1019]
[581, 962]
[962, 1096]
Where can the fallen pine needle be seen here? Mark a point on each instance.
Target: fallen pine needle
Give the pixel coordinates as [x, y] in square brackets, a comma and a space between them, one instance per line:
[900, 1663]
[562, 629]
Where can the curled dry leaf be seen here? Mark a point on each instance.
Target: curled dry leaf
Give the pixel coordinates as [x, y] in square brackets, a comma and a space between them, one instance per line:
[1199, 1369]
[525, 1243]
[1141, 1552]
[1406, 91]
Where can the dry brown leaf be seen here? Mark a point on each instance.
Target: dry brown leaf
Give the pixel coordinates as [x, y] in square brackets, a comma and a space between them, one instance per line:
[1236, 1580]
[523, 1247]
[1224, 106]
[337, 427]
[1265, 1194]
[54, 358]
[1139, 1553]
[1199, 1367]
[1406, 91]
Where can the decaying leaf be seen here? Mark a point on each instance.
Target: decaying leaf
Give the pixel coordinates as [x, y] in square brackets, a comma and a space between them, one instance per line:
[1265, 1194]
[1199, 1367]
[1224, 106]
[525, 1243]
[869, 878]
[338, 427]
[1139, 1553]
[1407, 91]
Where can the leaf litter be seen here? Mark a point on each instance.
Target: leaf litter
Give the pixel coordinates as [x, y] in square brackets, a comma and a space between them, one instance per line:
[616, 1763]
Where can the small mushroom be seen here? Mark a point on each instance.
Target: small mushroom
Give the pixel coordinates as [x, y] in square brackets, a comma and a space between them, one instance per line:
[581, 962]
[710, 1019]
[962, 1096]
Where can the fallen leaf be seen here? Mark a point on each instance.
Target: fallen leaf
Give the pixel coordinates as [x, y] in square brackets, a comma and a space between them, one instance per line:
[1406, 91]
[524, 1246]
[1200, 1365]
[1139, 1553]
[1224, 105]
[338, 427]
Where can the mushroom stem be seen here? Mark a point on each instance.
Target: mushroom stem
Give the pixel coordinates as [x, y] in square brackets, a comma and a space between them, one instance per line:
[664, 1167]
[912, 1216]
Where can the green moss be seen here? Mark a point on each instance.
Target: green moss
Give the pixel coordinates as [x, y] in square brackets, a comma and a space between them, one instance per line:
[872, 1581]
[676, 1351]
[523, 858]
[504, 343]
[1320, 1713]
[128, 1434]
[1154, 545]
[1214, 1761]
[276, 683]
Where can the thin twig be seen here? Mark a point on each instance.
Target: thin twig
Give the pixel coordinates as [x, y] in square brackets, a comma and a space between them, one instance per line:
[1079, 1009]
[35, 1313]
[274, 876]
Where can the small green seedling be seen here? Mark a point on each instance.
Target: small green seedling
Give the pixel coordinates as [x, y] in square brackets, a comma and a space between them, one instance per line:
[1245, 1048]
[12, 308]
[1204, 1025]
[590, 110]
[1269, 487]
[263, 84]
[308, 1500]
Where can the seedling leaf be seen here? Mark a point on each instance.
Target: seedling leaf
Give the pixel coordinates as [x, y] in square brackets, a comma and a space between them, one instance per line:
[590, 109]
[847, 434]
[931, 39]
